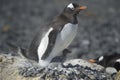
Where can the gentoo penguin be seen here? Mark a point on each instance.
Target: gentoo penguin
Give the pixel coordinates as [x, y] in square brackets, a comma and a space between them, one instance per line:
[56, 37]
[108, 61]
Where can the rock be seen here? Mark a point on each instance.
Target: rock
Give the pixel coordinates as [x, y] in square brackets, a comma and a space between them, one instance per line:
[117, 77]
[111, 70]
[9, 69]
[83, 63]
[16, 68]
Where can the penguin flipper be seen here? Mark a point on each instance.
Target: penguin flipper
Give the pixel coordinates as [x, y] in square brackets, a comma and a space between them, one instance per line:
[52, 38]
[32, 50]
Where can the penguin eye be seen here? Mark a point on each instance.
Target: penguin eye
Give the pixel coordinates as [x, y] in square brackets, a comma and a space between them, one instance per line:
[72, 8]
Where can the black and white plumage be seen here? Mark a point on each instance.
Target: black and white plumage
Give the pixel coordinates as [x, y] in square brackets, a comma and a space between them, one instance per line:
[108, 61]
[56, 37]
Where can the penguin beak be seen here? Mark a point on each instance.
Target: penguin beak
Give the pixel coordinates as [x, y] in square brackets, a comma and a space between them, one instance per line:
[92, 61]
[82, 7]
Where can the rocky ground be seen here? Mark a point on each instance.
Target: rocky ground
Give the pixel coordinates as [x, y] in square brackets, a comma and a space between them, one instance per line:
[17, 68]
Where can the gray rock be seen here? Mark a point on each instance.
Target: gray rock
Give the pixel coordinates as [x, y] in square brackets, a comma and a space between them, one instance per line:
[110, 70]
[22, 69]
[83, 63]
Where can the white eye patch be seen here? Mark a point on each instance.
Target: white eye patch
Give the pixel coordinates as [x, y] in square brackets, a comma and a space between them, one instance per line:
[70, 6]
[118, 60]
[101, 58]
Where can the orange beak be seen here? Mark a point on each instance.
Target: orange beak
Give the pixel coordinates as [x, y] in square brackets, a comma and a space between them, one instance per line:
[92, 61]
[82, 7]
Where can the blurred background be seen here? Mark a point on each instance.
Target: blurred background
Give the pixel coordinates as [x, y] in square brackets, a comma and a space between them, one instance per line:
[99, 25]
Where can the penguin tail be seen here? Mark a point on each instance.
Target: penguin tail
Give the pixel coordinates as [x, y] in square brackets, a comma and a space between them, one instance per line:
[17, 51]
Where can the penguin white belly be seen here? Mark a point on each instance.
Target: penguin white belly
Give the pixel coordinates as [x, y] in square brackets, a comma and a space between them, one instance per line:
[68, 34]
[64, 39]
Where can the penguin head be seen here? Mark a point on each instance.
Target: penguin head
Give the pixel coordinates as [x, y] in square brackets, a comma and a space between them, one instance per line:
[108, 61]
[98, 60]
[73, 9]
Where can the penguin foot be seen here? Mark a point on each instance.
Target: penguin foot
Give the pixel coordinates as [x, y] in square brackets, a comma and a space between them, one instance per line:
[66, 51]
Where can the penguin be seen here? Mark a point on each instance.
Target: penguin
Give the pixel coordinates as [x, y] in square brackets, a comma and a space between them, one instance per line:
[108, 61]
[56, 37]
